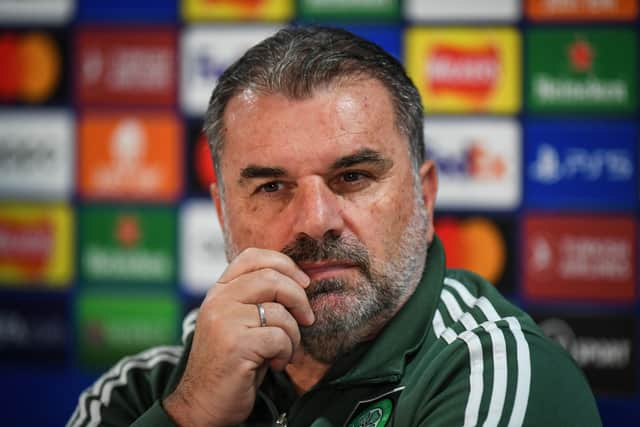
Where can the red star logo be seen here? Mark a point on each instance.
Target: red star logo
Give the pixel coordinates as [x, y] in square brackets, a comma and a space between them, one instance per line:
[581, 56]
[128, 230]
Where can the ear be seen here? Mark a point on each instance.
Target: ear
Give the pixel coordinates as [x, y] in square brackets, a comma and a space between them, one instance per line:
[429, 184]
[215, 196]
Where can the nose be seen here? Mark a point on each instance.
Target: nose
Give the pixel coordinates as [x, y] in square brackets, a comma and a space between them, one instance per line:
[318, 210]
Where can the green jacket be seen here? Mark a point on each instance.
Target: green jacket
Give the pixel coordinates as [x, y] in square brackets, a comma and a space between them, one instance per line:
[457, 354]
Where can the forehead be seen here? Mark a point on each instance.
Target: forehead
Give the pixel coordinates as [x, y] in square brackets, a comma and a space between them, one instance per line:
[334, 121]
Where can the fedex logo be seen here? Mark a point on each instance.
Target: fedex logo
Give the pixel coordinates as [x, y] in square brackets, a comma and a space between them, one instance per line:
[475, 161]
[205, 53]
[208, 68]
[478, 160]
[580, 165]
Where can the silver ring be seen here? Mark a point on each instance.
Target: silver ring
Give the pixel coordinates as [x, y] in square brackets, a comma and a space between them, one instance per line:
[261, 315]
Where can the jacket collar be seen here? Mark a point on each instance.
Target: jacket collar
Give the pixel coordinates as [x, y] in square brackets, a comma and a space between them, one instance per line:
[384, 358]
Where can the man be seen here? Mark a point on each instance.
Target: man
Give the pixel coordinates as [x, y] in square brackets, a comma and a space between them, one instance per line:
[336, 308]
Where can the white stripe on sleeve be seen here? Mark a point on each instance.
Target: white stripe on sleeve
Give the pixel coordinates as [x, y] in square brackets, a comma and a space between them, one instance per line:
[524, 374]
[455, 312]
[476, 383]
[496, 404]
[189, 324]
[500, 373]
[105, 396]
[464, 293]
[438, 324]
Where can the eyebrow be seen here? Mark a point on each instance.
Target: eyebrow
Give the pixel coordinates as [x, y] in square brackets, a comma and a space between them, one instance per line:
[254, 171]
[366, 155]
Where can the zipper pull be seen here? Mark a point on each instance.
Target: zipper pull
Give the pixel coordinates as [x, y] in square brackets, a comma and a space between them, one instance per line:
[282, 420]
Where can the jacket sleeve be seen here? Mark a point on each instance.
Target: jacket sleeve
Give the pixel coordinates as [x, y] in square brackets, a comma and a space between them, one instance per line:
[502, 374]
[130, 392]
[155, 416]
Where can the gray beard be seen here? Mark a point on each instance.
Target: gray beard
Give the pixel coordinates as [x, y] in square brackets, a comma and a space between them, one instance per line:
[366, 304]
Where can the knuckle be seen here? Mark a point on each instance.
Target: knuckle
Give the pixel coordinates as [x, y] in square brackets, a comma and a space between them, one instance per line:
[218, 290]
[209, 301]
[229, 344]
[246, 252]
[281, 337]
[270, 274]
[215, 318]
[296, 336]
[250, 254]
[279, 312]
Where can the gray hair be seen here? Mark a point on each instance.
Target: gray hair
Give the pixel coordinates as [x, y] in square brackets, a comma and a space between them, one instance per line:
[295, 61]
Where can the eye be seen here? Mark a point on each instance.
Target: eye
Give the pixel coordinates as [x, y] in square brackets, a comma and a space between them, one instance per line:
[270, 187]
[352, 176]
[350, 181]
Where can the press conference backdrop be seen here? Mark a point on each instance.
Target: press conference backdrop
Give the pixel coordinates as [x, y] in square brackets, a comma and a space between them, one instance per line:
[107, 236]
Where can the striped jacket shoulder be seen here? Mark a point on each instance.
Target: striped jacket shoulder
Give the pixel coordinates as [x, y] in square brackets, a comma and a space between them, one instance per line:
[124, 377]
[473, 316]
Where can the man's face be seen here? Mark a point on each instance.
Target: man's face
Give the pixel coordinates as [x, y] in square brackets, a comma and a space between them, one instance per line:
[328, 181]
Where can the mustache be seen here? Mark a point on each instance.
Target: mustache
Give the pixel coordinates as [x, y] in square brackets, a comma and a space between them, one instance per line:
[329, 248]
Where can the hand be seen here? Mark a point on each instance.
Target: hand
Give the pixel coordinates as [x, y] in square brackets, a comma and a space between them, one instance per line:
[231, 351]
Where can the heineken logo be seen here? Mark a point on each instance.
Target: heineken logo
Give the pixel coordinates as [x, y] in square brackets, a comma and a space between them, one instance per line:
[375, 415]
[141, 264]
[584, 70]
[124, 246]
[558, 90]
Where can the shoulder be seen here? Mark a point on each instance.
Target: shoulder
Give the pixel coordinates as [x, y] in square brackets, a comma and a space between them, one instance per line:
[130, 387]
[489, 358]
[469, 306]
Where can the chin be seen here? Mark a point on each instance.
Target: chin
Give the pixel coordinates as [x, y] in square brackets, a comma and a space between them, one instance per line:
[333, 305]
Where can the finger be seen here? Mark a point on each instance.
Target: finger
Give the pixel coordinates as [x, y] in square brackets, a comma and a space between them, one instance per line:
[277, 316]
[268, 285]
[252, 259]
[273, 346]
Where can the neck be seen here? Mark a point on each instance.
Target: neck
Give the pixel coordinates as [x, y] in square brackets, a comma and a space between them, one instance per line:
[305, 372]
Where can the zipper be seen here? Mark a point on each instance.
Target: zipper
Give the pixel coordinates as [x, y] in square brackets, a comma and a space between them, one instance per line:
[282, 420]
[271, 406]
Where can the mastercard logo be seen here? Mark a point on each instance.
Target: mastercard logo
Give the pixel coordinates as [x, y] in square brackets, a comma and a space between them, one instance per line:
[474, 244]
[31, 69]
